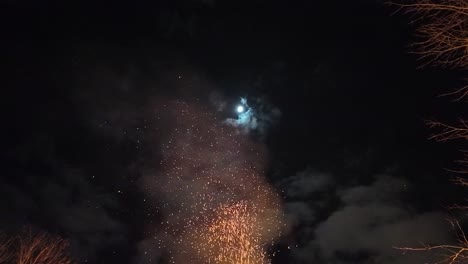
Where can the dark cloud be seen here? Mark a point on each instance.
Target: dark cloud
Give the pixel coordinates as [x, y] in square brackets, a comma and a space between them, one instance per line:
[367, 222]
[61, 200]
[306, 183]
[84, 214]
[147, 252]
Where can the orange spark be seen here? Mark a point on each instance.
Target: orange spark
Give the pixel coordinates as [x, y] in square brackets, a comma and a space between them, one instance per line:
[233, 236]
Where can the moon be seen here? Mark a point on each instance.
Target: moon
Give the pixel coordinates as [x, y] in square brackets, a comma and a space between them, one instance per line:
[240, 109]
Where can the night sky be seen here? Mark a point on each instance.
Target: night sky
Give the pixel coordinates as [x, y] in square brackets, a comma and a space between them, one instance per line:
[93, 93]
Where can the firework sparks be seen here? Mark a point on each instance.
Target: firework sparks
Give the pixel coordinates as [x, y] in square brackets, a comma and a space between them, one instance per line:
[232, 236]
[217, 206]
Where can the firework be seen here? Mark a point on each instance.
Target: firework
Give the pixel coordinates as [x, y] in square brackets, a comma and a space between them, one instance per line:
[217, 206]
[232, 237]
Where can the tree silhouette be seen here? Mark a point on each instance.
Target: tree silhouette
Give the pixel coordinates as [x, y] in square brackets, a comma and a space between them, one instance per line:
[444, 31]
[34, 248]
[443, 40]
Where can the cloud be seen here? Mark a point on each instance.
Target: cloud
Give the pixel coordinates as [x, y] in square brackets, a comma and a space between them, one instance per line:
[258, 117]
[68, 204]
[299, 213]
[301, 191]
[147, 252]
[373, 231]
[306, 183]
[83, 213]
[367, 222]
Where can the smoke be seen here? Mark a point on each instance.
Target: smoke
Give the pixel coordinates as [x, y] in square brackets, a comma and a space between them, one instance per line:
[188, 163]
[209, 191]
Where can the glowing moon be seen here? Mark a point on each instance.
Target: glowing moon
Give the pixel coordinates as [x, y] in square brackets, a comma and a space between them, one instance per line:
[240, 109]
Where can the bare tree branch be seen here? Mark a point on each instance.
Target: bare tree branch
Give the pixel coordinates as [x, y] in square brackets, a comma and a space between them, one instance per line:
[6, 251]
[444, 41]
[443, 35]
[451, 254]
[33, 248]
[42, 248]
